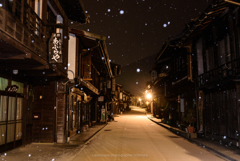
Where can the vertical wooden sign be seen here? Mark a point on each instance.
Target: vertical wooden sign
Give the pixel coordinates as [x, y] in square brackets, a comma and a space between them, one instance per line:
[87, 67]
[55, 48]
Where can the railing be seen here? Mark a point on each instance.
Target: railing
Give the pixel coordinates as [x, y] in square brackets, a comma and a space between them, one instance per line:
[26, 27]
[224, 72]
[33, 21]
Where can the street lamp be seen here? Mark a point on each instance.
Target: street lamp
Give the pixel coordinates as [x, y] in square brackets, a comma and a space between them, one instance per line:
[140, 101]
[149, 96]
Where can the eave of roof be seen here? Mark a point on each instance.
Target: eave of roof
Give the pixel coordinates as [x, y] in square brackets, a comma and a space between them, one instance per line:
[215, 9]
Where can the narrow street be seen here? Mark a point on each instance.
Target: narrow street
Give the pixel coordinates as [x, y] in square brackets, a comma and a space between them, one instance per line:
[133, 136]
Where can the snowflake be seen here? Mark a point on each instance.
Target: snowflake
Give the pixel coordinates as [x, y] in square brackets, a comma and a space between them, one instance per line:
[121, 12]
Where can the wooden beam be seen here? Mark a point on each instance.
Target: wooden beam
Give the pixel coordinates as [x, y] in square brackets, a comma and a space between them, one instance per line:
[18, 45]
[14, 56]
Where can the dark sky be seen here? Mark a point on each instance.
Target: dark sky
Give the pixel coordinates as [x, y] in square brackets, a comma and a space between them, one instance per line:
[141, 29]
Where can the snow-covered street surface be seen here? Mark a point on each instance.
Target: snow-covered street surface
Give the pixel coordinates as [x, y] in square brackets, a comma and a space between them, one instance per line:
[132, 136]
[51, 151]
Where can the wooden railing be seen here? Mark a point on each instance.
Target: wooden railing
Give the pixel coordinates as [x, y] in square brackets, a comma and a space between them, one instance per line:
[222, 73]
[26, 27]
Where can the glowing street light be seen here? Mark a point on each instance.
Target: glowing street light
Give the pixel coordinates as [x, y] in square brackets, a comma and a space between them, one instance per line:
[140, 101]
[149, 96]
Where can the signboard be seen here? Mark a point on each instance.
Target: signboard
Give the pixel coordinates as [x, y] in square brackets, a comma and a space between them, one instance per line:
[12, 89]
[55, 48]
[121, 96]
[103, 113]
[87, 67]
[101, 98]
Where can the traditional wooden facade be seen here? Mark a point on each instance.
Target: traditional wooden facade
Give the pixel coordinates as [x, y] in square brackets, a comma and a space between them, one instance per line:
[111, 92]
[172, 88]
[214, 40]
[211, 44]
[88, 70]
[126, 100]
[34, 55]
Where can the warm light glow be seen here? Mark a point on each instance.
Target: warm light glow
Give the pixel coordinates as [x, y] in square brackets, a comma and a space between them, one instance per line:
[139, 99]
[149, 96]
[147, 103]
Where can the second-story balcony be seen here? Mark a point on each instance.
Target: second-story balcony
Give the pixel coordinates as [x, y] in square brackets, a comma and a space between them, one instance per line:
[24, 32]
[220, 75]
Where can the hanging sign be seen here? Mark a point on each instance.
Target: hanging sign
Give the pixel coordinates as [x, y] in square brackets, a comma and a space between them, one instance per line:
[103, 113]
[12, 89]
[55, 48]
[101, 98]
[87, 67]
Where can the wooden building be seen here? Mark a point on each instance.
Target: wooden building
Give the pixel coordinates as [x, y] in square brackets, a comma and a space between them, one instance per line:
[34, 56]
[214, 40]
[119, 97]
[81, 98]
[126, 100]
[211, 43]
[173, 92]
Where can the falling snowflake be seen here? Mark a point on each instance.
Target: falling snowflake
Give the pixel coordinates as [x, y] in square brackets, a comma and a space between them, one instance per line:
[138, 70]
[136, 82]
[109, 10]
[164, 25]
[168, 22]
[121, 12]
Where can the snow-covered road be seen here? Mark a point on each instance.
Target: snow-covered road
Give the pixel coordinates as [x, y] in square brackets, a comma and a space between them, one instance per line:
[132, 136]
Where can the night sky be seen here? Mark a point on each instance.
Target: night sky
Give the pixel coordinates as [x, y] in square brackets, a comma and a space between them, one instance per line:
[136, 31]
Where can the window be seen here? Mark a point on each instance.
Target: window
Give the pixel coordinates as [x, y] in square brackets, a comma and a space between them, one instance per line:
[3, 108]
[228, 48]
[210, 58]
[51, 18]
[199, 56]
[3, 83]
[11, 111]
[109, 84]
[221, 55]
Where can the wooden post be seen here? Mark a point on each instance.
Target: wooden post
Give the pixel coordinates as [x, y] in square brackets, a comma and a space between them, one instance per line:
[65, 42]
[215, 48]
[231, 37]
[77, 58]
[15, 111]
[238, 108]
[6, 124]
[22, 10]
